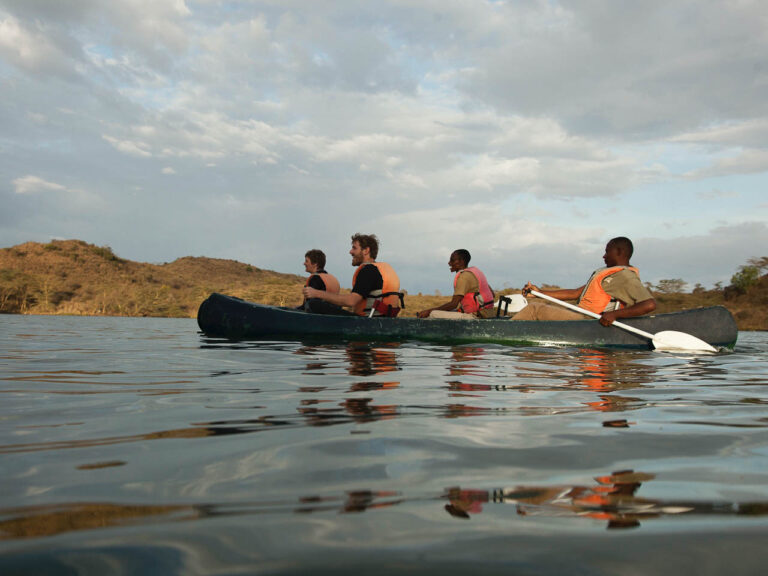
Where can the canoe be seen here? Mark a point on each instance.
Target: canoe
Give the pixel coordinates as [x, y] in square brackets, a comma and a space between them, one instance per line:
[229, 317]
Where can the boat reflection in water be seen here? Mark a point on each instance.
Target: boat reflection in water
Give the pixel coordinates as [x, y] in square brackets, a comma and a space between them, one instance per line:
[611, 498]
[362, 359]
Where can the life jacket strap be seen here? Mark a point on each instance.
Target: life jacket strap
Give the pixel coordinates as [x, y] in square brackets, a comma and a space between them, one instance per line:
[481, 301]
[387, 309]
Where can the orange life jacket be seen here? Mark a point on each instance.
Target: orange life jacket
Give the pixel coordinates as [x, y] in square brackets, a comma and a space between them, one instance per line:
[597, 300]
[474, 301]
[331, 283]
[379, 299]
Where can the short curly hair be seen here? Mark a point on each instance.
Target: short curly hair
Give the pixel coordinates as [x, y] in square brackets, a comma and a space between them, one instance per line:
[367, 241]
[316, 257]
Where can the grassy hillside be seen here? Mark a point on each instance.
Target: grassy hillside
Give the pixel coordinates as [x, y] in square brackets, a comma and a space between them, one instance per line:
[73, 277]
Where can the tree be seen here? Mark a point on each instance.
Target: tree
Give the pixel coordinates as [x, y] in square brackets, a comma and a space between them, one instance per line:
[760, 263]
[745, 278]
[670, 286]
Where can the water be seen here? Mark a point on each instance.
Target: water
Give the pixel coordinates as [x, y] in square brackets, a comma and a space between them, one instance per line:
[139, 446]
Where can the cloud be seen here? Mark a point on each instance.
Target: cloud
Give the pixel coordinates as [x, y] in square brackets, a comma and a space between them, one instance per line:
[131, 147]
[34, 185]
[693, 257]
[31, 48]
[669, 66]
[742, 162]
[524, 131]
[752, 133]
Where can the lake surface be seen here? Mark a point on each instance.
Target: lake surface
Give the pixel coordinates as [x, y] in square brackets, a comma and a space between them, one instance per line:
[140, 446]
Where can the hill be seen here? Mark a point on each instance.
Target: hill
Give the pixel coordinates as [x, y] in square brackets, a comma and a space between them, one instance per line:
[74, 277]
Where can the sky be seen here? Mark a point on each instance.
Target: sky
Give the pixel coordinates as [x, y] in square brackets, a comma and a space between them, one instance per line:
[527, 132]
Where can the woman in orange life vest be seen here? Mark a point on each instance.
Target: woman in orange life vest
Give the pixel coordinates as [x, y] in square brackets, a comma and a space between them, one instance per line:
[314, 264]
[614, 292]
[375, 284]
[472, 296]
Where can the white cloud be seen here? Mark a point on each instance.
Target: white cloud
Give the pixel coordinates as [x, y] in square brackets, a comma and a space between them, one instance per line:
[29, 47]
[155, 29]
[741, 162]
[168, 171]
[130, 147]
[753, 132]
[34, 185]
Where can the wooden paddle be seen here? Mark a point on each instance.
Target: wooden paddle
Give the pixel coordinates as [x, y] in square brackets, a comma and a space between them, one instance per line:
[665, 340]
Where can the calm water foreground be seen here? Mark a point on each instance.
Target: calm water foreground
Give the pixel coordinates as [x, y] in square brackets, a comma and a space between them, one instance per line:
[139, 446]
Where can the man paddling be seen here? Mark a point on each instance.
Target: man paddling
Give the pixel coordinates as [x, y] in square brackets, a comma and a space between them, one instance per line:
[614, 291]
[472, 296]
[319, 279]
[375, 285]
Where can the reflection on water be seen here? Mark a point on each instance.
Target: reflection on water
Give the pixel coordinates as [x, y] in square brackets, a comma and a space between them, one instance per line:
[611, 499]
[37, 521]
[472, 384]
[118, 426]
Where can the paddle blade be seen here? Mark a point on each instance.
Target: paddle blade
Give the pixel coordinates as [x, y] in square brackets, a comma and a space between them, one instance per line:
[671, 340]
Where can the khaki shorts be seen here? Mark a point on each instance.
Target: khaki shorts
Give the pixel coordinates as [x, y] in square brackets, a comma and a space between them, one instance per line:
[445, 315]
[543, 311]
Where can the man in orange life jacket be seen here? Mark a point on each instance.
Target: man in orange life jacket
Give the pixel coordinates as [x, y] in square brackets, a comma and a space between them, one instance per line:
[319, 279]
[614, 292]
[374, 284]
[472, 296]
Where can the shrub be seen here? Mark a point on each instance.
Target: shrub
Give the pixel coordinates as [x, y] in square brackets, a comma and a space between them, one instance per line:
[670, 286]
[760, 263]
[106, 253]
[745, 278]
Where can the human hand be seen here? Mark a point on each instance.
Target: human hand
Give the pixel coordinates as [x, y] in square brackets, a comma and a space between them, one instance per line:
[607, 318]
[526, 291]
[423, 314]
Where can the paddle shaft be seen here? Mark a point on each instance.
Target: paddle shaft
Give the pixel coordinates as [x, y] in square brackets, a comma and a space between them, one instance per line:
[616, 323]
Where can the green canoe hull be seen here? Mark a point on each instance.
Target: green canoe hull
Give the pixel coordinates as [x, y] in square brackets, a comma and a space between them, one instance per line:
[233, 318]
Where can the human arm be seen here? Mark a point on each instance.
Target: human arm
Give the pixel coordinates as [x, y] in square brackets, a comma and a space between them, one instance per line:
[450, 305]
[350, 300]
[560, 294]
[366, 281]
[638, 309]
[626, 287]
[315, 282]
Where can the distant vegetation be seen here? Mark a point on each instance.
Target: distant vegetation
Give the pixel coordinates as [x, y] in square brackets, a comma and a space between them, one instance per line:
[73, 277]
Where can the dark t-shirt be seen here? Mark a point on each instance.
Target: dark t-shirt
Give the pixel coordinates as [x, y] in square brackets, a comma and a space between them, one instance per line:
[316, 281]
[368, 279]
